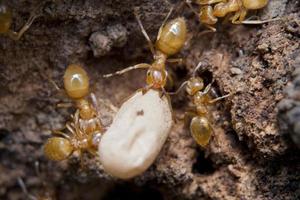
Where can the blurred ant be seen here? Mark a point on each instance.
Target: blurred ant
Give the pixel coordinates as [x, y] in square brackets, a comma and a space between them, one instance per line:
[85, 128]
[170, 40]
[200, 126]
[210, 10]
[6, 20]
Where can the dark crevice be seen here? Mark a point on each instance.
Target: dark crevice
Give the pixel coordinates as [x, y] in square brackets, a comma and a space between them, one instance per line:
[133, 192]
[3, 134]
[203, 165]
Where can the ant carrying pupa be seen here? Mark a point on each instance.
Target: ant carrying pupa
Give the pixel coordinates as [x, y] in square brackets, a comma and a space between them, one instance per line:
[200, 125]
[85, 128]
[236, 10]
[142, 124]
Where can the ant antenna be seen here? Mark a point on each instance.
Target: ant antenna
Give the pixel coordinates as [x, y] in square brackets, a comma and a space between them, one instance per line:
[189, 4]
[196, 69]
[144, 31]
[179, 89]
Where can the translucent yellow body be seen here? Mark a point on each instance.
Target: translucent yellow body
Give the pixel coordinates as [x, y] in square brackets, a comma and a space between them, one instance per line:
[201, 130]
[58, 148]
[172, 37]
[85, 129]
[254, 4]
[5, 19]
[222, 9]
[200, 126]
[208, 14]
[76, 82]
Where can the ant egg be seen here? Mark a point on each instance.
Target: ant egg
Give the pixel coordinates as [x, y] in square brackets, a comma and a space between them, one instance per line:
[137, 134]
[76, 81]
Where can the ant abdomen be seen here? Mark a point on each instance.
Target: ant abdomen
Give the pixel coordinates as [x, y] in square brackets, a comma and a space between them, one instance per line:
[58, 148]
[254, 4]
[172, 36]
[201, 130]
[76, 82]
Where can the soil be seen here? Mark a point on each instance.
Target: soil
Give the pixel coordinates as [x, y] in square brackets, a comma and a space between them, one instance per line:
[254, 152]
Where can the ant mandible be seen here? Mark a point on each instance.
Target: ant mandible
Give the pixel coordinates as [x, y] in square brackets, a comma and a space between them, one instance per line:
[170, 40]
[85, 127]
[200, 126]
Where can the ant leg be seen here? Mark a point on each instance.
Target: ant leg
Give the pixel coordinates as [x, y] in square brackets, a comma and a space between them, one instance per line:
[164, 22]
[65, 105]
[108, 105]
[33, 15]
[146, 89]
[260, 21]
[235, 18]
[70, 128]
[210, 27]
[175, 60]
[138, 66]
[219, 98]
[54, 84]
[206, 2]
[243, 14]
[179, 89]
[163, 92]
[151, 46]
[207, 88]
[75, 125]
[196, 69]
[95, 104]
[17, 35]
[24, 189]
[189, 4]
[59, 132]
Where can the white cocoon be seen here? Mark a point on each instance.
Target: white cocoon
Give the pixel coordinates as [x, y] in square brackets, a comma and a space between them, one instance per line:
[136, 136]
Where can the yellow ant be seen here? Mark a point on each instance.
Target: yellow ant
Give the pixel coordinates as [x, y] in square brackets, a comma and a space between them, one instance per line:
[170, 40]
[210, 10]
[85, 128]
[6, 21]
[200, 126]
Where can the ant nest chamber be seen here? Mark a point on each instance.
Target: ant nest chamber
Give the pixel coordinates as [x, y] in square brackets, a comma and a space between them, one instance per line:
[127, 137]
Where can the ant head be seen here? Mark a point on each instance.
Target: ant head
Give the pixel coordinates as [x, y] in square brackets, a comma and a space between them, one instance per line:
[194, 85]
[254, 4]
[172, 36]
[5, 18]
[156, 77]
[58, 148]
[76, 82]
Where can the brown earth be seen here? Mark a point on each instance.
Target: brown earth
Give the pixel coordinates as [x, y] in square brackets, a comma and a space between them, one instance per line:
[249, 156]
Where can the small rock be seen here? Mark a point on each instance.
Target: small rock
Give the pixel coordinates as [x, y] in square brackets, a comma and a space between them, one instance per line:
[235, 71]
[100, 44]
[118, 35]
